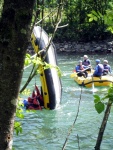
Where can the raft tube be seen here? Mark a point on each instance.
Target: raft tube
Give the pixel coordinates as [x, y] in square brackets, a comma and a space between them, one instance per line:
[97, 81]
[50, 82]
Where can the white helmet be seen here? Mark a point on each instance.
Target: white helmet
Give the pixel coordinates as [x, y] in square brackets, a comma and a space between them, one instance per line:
[105, 61]
[85, 56]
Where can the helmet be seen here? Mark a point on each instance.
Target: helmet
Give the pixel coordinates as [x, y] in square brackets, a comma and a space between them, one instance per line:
[80, 61]
[85, 56]
[97, 60]
[105, 61]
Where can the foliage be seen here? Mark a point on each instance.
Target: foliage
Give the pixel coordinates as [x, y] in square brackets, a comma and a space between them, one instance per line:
[26, 92]
[75, 14]
[37, 61]
[19, 114]
[100, 106]
[100, 103]
[1, 7]
[107, 17]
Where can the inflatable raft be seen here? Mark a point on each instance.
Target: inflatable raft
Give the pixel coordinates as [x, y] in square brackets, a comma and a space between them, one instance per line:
[97, 81]
[51, 88]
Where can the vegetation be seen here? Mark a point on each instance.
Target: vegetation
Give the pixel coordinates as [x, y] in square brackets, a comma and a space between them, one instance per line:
[100, 105]
[81, 21]
[75, 14]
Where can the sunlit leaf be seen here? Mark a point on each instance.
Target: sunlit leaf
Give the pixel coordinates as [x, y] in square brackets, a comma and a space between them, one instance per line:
[28, 56]
[94, 12]
[26, 92]
[90, 15]
[27, 62]
[95, 18]
[91, 19]
[19, 115]
[17, 127]
[100, 14]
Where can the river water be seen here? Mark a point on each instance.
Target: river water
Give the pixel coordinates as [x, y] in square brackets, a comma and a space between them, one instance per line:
[48, 129]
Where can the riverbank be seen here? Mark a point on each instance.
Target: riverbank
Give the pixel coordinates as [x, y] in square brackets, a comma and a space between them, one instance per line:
[90, 47]
[81, 47]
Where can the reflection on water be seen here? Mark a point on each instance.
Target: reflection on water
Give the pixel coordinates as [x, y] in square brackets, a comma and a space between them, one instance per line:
[47, 130]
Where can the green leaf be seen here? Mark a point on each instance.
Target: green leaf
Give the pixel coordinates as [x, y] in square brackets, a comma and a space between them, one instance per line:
[16, 124]
[96, 101]
[96, 97]
[20, 129]
[26, 92]
[99, 107]
[19, 115]
[27, 61]
[28, 56]
[100, 15]
[110, 90]
[94, 12]
[90, 15]
[17, 127]
[95, 18]
[90, 19]
[17, 131]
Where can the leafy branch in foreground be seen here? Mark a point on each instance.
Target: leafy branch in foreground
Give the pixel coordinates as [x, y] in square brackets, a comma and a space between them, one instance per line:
[19, 114]
[100, 105]
[37, 66]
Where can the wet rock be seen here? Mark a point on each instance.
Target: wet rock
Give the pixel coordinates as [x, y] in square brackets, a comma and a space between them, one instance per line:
[91, 47]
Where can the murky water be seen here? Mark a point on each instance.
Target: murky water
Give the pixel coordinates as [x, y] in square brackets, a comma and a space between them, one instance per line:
[48, 129]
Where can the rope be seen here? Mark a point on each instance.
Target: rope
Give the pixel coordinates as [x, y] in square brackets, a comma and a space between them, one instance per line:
[70, 130]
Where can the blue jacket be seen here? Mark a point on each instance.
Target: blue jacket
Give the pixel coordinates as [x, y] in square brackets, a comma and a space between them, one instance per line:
[107, 68]
[99, 70]
[79, 68]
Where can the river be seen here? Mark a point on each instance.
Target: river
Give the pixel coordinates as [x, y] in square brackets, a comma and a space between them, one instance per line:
[48, 129]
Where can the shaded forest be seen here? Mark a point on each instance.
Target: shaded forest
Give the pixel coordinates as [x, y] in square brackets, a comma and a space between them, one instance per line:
[75, 24]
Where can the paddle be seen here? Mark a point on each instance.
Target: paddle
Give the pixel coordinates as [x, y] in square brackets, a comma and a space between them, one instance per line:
[93, 87]
[73, 74]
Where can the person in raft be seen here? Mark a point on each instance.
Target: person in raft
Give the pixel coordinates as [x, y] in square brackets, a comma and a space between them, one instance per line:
[98, 69]
[86, 62]
[107, 68]
[81, 70]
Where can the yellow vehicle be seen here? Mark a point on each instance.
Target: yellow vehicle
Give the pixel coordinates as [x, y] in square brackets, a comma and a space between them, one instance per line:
[97, 81]
[50, 82]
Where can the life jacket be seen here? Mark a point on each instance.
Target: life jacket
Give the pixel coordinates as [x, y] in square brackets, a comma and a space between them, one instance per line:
[81, 67]
[107, 67]
[35, 101]
[86, 62]
[78, 67]
[38, 93]
[100, 68]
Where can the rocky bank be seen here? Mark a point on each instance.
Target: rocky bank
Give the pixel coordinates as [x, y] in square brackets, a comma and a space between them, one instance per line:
[90, 47]
[80, 47]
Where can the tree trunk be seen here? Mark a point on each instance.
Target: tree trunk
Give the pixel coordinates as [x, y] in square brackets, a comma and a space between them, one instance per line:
[103, 126]
[14, 27]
